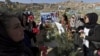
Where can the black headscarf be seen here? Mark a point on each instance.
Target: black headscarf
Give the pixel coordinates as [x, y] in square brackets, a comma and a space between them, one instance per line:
[93, 17]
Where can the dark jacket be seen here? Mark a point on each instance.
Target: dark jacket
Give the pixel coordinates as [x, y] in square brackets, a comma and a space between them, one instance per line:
[94, 34]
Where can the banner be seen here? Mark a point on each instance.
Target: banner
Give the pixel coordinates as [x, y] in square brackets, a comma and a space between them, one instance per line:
[48, 16]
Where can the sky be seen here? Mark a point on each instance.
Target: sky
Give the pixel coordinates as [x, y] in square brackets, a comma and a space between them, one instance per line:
[48, 1]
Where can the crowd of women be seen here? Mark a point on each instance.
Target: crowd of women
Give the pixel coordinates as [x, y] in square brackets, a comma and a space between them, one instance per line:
[20, 35]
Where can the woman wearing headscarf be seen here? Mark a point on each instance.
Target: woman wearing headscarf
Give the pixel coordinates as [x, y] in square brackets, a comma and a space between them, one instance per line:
[90, 33]
[11, 36]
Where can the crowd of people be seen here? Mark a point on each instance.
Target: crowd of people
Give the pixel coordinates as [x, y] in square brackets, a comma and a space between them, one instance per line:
[20, 35]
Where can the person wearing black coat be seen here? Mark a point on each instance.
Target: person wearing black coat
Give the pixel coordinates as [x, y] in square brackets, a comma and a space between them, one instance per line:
[91, 33]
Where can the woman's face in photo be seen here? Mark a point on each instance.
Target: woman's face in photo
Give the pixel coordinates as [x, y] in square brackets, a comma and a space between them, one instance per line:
[15, 30]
